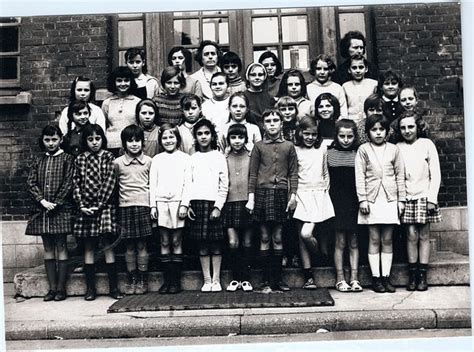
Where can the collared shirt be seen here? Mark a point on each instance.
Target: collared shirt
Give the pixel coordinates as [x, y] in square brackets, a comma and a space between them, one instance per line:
[273, 164]
[133, 179]
[391, 108]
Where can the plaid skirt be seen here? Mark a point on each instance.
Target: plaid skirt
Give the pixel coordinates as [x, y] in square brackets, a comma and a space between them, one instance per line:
[270, 205]
[56, 222]
[416, 212]
[202, 228]
[134, 222]
[234, 215]
[99, 224]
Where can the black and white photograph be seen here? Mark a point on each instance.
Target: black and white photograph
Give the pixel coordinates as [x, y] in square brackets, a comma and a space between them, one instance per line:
[286, 176]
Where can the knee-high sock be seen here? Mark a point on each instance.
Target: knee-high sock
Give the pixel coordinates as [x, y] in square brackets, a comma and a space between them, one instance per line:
[50, 267]
[142, 262]
[62, 275]
[206, 267]
[374, 262]
[216, 267]
[386, 259]
[131, 262]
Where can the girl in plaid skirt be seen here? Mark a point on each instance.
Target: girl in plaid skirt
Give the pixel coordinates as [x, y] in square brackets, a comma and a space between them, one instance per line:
[166, 190]
[273, 176]
[236, 218]
[205, 191]
[133, 171]
[50, 185]
[423, 179]
[94, 183]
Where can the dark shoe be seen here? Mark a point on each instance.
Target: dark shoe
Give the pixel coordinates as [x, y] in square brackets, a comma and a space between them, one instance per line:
[115, 293]
[142, 283]
[387, 284]
[90, 294]
[60, 296]
[377, 285]
[282, 286]
[422, 283]
[412, 274]
[264, 288]
[49, 296]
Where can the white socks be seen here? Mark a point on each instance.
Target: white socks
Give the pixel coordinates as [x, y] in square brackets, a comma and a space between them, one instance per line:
[386, 259]
[374, 262]
[206, 267]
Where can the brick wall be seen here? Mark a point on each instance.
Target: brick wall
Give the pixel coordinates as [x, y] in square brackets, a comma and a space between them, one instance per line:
[54, 50]
[423, 44]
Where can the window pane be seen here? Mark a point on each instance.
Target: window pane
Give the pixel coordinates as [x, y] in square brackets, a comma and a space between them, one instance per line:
[292, 10]
[257, 51]
[8, 68]
[195, 13]
[130, 34]
[130, 15]
[294, 28]
[351, 22]
[186, 32]
[264, 12]
[9, 20]
[296, 56]
[8, 39]
[207, 13]
[216, 29]
[265, 30]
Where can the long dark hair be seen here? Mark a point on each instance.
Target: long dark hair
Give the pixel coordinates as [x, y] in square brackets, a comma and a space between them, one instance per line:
[212, 128]
[283, 89]
[72, 93]
[345, 123]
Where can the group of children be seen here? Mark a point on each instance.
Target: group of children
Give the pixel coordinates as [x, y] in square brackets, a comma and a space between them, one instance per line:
[255, 162]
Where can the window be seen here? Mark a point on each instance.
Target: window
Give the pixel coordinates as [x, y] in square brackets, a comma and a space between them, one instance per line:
[130, 34]
[190, 28]
[9, 52]
[284, 32]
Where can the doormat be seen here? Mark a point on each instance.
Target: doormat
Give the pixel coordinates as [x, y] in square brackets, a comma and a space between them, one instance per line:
[193, 300]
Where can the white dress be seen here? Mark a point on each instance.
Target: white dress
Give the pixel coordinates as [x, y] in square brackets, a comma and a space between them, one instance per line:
[313, 203]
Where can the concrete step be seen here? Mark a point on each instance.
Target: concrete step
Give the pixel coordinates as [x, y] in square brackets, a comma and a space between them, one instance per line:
[447, 268]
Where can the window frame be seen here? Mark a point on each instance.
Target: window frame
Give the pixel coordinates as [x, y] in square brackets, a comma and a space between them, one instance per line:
[13, 83]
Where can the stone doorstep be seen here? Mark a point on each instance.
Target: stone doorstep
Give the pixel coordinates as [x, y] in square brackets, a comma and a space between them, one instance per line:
[446, 269]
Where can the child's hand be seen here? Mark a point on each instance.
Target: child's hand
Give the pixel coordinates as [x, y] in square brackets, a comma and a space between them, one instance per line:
[87, 211]
[215, 213]
[154, 213]
[364, 207]
[191, 214]
[250, 203]
[183, 212]
[48, 205]
[291, 203]
[431, 206]
[401, 208]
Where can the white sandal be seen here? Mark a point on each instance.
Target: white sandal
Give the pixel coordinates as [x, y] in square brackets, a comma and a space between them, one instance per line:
[246, 286]
[233, 286]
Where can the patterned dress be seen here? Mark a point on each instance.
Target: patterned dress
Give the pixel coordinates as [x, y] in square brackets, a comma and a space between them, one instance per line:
[94, 184]
[50, 178]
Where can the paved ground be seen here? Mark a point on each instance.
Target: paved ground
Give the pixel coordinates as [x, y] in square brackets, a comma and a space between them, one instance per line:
[437, 308]
[338, 339]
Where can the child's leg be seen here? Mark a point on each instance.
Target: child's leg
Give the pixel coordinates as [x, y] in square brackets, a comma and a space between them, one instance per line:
[412, 253]
[216, 266]
[234, 260]
[374, 250]
[109, 253]
[176, 260]
[62, 267]
[165, 235]
[50, 266]
[89, 268]
[247, 251]
[339, 255]
[354, 256]
[387, 256]
[308, 250]
[277, 243]
[205, 260]
[265, 254]
[131, 264]
[142, 261]
[412, 243]
[424, 256]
